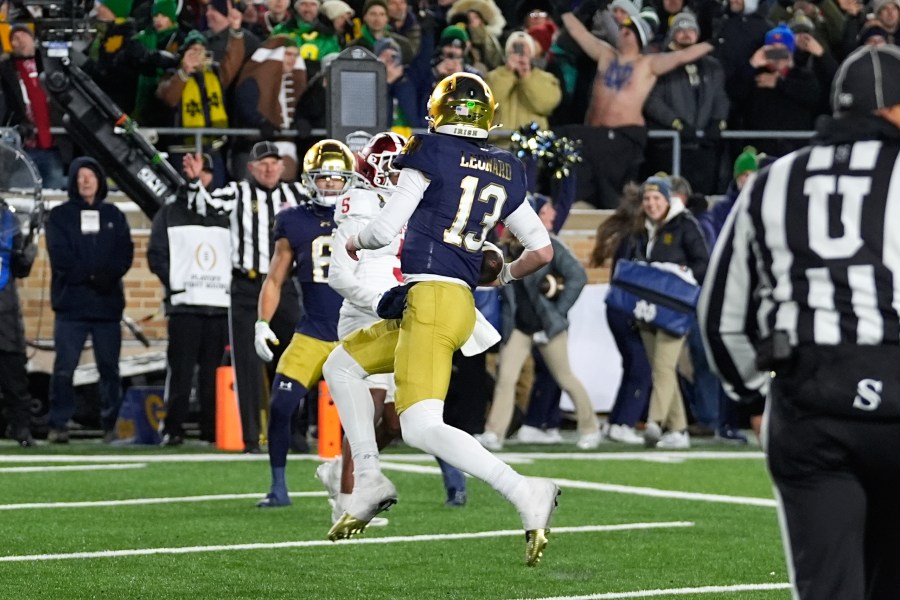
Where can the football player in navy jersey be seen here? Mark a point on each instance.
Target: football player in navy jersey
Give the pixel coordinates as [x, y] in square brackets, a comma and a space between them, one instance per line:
[453, 188]
[303, 236]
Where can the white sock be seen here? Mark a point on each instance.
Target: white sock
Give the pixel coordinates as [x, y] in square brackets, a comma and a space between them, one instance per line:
[342, 500]
[346, 381]
[424, 428]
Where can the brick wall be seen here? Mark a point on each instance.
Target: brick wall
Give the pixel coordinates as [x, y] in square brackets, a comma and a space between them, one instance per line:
[144, 293]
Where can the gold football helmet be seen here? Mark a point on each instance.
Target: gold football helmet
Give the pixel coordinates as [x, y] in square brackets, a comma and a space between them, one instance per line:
[462, 104]
[328, 161]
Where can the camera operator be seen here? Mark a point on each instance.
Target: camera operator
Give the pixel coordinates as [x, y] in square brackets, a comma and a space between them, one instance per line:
[16, 258]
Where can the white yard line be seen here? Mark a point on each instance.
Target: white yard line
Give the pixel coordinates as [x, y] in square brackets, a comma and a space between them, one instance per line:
[656, 493]
[103, 467]
[709, 589]
[520, 457]
[327, 544]
[144, 501]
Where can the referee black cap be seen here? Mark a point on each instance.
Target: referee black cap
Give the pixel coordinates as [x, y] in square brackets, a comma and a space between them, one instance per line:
[867, 80]
[263, 150]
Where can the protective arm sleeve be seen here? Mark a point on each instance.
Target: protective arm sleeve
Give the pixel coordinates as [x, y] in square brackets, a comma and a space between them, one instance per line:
[342, 271]
[382, 230]
[527, 227]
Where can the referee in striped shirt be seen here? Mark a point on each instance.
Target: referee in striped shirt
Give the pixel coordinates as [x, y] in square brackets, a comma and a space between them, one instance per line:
[802, 301]
[252, 205]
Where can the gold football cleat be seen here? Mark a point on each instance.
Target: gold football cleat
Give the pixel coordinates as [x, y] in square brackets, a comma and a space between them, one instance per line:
[346, 527]
[535, 542]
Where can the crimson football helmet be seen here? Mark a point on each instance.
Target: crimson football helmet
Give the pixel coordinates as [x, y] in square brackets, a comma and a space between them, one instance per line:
[375, 162]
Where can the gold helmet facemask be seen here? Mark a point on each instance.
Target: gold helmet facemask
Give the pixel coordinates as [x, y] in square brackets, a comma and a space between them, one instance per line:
[328, 159]
[463, 105]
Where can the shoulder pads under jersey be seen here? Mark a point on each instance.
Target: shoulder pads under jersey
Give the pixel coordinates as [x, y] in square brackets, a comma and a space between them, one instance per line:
[359, 203]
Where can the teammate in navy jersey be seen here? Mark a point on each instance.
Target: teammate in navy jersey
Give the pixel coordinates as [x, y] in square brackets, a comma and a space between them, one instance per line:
[453, 189]
[303, 236]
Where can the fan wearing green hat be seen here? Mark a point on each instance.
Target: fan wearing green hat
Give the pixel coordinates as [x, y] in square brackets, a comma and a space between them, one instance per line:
[615, 133]
[162, 41]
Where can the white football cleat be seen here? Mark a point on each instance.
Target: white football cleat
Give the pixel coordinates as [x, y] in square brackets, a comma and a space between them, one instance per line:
[536, 506]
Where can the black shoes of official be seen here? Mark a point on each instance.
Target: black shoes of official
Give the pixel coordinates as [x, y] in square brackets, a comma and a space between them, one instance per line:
[22, 435]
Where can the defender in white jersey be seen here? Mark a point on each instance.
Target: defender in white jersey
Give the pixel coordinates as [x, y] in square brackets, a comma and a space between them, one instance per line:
[362, 284]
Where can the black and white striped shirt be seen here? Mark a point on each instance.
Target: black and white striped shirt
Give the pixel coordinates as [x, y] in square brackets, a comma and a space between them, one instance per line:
[252, 211]
[811, 248]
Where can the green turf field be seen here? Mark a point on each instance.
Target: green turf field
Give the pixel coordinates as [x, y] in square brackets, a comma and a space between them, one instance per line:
[93, 521]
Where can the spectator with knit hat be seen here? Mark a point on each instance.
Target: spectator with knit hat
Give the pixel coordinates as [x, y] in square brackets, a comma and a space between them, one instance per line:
[450, 55]
[405, 111]
[341, 16]
[524, 92]
[195, 91]
[24, 104]
[781, 95]
[688, 100]
[671, 235]
[484, 24]
[162, 41]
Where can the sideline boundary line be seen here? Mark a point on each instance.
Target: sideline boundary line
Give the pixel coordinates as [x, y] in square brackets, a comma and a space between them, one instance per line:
[708, 589]
[144, 501]
[94, 467]
[326, 543]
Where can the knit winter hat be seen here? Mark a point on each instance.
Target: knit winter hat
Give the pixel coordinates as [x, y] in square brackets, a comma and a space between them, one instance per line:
[747, 161]
[648, 14]
[370, 3]
[165, 7]
[684, 20]
[641, 29]
[657, 184]
[781, 35]
[385, 43]
[454, 35]
[26, 27]
[877, 5]
[120, 8]
[800, 23]
[522, 38]
[335, 8]
[194, 37]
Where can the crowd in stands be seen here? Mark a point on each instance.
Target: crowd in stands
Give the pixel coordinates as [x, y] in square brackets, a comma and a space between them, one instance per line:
[259, 65]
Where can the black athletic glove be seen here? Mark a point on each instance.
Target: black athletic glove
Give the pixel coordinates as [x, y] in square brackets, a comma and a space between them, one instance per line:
[713, 131]
[393, 302]
[687, 133]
